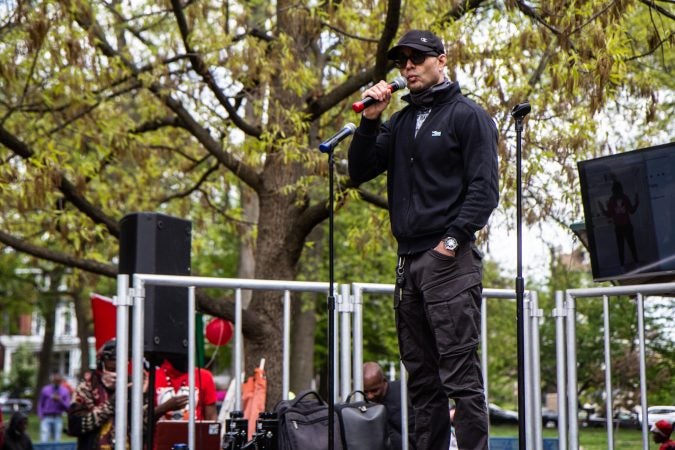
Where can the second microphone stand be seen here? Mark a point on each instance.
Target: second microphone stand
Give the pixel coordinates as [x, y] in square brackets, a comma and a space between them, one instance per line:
[519, 112]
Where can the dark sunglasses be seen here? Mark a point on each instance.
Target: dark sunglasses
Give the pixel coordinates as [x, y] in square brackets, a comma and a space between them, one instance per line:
[417, 58]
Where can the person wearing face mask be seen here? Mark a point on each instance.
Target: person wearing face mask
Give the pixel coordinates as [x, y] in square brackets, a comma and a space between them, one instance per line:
[92, 411]
[440, 155]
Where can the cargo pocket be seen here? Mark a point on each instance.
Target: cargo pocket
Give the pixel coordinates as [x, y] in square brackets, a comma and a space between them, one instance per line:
[456, 322]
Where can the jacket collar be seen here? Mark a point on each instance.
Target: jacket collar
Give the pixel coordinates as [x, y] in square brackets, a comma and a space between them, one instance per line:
[443, 92]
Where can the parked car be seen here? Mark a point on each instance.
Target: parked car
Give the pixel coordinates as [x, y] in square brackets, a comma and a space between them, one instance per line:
[549, 418]
[9, 405]
[621, 419]
[656, 413]
[501, 416]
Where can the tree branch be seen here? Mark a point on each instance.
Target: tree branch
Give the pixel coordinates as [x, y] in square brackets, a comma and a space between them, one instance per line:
[156, 124]
[317, 213]
[243, 171]
[593, 17]
[194, 188]
[660, 9]
[530, 12]
[201, 68]
[543, 62]
[254, 326]
[391, 23]
[653, 49]
[236, 166]
[373, 199]
[457, 12]
[349, 35]
[365, 195]
[318, 106]
[65, 186]
[88, 265]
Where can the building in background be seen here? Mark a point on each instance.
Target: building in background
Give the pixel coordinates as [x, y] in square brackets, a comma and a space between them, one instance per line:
[67, 358]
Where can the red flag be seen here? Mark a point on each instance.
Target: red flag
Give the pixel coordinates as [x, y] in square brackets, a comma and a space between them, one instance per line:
[105, 318]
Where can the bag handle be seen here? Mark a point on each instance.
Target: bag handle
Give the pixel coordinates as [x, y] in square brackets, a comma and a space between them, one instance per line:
[357, 391]
[307, 394]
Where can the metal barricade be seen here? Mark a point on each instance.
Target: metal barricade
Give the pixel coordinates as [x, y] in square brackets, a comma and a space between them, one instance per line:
[136, 296]
[532, 388]
[348, 349]
[566, 357]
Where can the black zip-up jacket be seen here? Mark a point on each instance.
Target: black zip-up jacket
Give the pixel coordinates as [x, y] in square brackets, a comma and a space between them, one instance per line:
[444, 181]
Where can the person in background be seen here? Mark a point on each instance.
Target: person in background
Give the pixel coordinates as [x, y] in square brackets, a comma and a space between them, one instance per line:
[15, 436]
[54, 400]
[379, 390]
[440, 156]
[91, 414]
[661, 431]
[171, 391]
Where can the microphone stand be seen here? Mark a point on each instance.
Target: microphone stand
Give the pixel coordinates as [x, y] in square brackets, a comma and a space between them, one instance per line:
[331, 293]
[518, 113]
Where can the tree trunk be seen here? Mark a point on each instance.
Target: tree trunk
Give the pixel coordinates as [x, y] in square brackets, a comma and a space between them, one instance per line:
[47, 351]
[246, 267]
[304, 314]
[303, 326]
[277, 254]
[84, 319]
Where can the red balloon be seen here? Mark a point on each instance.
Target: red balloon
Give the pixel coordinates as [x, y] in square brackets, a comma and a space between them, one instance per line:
[219, 331]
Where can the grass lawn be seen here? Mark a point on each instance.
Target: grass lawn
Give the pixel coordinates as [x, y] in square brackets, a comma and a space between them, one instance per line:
[589, 438]
[34, 428]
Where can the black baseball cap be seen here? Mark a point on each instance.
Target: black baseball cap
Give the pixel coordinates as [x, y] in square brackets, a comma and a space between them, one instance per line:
[422, 40]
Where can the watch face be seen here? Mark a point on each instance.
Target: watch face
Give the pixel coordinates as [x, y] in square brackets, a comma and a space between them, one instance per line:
[450, 243]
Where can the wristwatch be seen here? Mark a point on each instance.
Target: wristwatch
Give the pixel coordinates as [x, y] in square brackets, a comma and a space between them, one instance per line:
[450, 243]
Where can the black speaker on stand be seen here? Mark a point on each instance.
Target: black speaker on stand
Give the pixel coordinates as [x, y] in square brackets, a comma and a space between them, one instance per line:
[155, 243]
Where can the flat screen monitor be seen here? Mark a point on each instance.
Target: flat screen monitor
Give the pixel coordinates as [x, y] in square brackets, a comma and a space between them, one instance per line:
[629, 209]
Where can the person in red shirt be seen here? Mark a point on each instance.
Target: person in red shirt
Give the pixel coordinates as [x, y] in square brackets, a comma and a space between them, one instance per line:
[171, 391]
[661, 432]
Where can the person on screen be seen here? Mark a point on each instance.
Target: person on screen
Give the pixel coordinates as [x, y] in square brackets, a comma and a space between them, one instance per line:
[619, 209]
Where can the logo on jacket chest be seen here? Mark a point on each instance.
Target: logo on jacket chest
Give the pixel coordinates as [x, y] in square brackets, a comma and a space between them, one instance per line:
[435, 133]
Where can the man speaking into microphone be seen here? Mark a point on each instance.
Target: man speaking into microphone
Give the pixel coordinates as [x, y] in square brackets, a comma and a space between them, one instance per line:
[440, 155]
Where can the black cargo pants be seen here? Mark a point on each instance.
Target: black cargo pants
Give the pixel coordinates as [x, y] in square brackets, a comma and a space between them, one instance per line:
[437, 304]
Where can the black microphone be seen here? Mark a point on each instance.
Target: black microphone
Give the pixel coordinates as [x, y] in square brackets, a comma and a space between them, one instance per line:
[330, 144]
[396, 84]
[521, 110]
